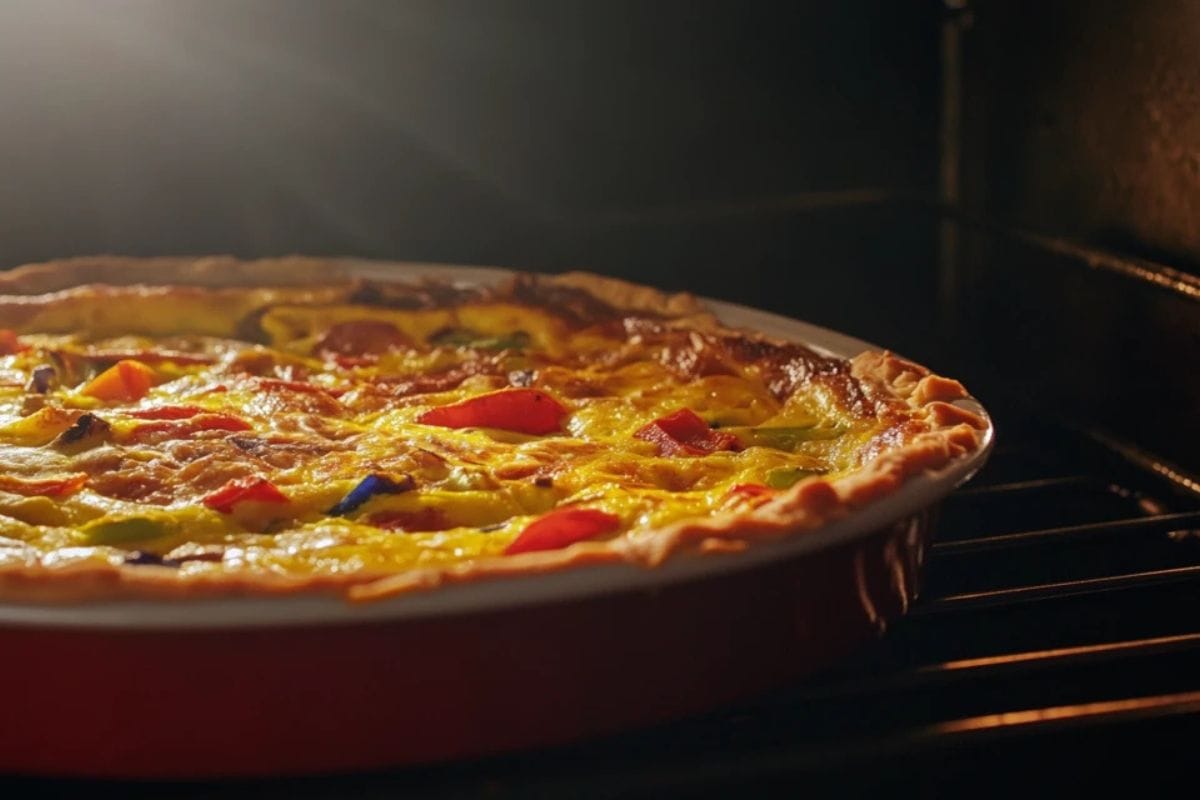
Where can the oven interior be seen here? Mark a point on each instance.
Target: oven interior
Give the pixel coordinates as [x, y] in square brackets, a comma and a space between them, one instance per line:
[1020, 216]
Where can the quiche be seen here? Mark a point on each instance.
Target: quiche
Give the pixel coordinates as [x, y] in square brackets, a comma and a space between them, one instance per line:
[183, 427]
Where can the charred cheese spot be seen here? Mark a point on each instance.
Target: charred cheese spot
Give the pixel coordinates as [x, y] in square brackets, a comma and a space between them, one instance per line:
[361, 337]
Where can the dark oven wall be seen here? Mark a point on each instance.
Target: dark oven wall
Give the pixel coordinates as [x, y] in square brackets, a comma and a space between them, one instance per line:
[762, 152]
[1090, 128]
[1077, 241]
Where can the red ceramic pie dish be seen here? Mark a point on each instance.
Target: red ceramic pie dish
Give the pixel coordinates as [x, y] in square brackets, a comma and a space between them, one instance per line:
[311, 684]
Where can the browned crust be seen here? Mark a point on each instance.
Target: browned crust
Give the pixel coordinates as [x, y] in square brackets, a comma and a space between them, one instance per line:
[207, 271]
[627, 296]
[954, 432]
[101, 294]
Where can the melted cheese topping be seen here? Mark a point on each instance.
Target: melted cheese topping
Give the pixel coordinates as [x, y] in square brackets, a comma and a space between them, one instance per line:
[333, 394]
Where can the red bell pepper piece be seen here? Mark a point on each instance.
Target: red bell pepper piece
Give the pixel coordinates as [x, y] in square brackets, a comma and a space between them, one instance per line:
[150, 356]
[241, 490]
[683, 433]
[46, 487]
[180, 428]
[529, 411]
[754, 493]
[562, 527]
[216, 422]
[751, 490]
[350, 362]
[10, 344]
[166, 412]
[126, 380]
[362, 337]
[274, 384]
[425, 519]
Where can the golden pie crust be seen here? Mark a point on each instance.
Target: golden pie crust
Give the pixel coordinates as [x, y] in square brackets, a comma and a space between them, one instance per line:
[909, 423]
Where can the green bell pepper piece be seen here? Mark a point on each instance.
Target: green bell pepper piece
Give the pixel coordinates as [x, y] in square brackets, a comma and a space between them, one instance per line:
[118, 531]
[784, 437]
[786, 477]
